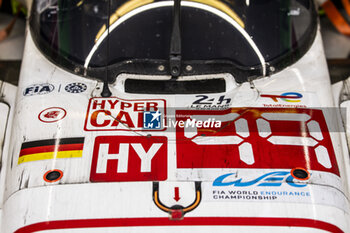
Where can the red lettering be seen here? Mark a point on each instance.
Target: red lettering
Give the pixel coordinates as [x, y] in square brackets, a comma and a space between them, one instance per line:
[140, 120]
[96, 104]
[94, 116]
[113, 103]
[120, 119]
[138, 107]
[125, 105]
[127, 112]
[150, 105]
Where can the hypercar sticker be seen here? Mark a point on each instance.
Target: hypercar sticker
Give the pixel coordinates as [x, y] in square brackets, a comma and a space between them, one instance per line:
[105, 114]
[51, 149]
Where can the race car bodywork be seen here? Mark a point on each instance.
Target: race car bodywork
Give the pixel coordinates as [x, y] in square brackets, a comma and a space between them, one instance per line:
[262, 154]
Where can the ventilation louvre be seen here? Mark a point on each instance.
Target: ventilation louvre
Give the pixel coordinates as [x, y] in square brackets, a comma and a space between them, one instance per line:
[174, 86]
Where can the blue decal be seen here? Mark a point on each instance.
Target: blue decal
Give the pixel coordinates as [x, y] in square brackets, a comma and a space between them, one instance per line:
[290, 181]
[75, 87]
[271, 179]
[152, 120]
[219, 181]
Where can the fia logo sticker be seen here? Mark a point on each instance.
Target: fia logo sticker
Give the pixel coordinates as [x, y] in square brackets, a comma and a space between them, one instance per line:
[38, 89]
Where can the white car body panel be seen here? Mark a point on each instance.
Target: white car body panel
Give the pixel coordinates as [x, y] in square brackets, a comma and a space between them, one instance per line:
[86, 201]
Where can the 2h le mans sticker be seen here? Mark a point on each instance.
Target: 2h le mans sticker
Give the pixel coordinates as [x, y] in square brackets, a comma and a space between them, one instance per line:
[106, 114]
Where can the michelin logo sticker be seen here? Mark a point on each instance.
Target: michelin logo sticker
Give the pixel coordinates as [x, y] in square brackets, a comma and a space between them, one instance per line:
[152, 120]
[75, 87]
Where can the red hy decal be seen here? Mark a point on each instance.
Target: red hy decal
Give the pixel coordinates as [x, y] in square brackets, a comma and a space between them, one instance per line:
[129, 158]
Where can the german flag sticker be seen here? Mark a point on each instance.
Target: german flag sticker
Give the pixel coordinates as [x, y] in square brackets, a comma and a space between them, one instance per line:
[51, 149]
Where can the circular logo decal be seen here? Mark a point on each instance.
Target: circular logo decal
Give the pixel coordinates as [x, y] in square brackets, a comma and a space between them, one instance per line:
[75, 87]
[50, 115]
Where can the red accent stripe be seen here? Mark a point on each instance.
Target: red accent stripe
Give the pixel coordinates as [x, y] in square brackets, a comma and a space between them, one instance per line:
[189, 221]
[41, 149]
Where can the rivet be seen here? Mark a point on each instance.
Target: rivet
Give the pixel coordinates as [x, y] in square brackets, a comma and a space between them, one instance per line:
[161, 68]
[189, 68]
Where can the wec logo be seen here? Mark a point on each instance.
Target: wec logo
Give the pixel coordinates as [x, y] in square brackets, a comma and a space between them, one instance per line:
[271, 179]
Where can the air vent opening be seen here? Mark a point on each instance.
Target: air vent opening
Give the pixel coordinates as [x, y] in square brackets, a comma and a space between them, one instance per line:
[141, 86]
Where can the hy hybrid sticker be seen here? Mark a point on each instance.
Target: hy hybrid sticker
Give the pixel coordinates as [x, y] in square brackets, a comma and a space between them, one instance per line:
[129, 158]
